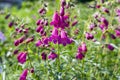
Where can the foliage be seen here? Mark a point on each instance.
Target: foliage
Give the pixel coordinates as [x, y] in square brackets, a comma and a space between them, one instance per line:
[99, 63]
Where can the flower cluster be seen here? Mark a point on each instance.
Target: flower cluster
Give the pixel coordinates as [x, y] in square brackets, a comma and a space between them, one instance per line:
[60, 21]
[82, 49]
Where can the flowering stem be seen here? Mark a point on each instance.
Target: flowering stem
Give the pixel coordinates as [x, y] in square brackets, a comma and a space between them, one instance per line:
[58, 57]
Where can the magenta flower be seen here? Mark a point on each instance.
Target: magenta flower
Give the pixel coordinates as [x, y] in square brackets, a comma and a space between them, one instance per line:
[82, 48]
[20, 31]
[46, 22]
[23, 75]
[32, 70]
[56, 20]
[110, 47]
[98, 6]
[54, 36]
[16, 42]
[64, 21]
[26, 30]
[64, 38]
[118, 12]
[92, 26]
[38, 22]
[45, 40]
[21, 39]
[105, 10]
[22, 57]
[7, 16]
[38, 43]
[16, 51]
[117, 31]
[74, 23]
[39, 28]
[42, 32]
[28, 40]
[79, 56]
[63, 3]
[42, 11]
[62, 11]
[44, 56]
[10, 24]
[104, 22]
[112, 36]
[89, 36]
[52, 56]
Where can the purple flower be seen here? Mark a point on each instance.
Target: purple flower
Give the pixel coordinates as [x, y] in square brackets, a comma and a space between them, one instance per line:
[44, 56]
[74, 23]
[98, 6]
[55, 20]
[63, 22]
[63, 3]
[62, 12]
[42, 11]
[64, 39]
[28, 40]
[2, 37]
[105, 10]
[32, 70]
[110, 47]
[54, 36]
[82, 48]
[42, 32]
[46, 22]
[117, 31]
[16, 42]
[38, 22]
[118, 12]
[23, 75]
[16, 51]
[22, 57]
[38, 43]
[45, 41]
[20, 31]
[26, 30]
[39, 28]
[52, 56]
[104, 22]
[7, 16]
[21, 39]
[10, 24]
[79, 56]
[102, 27]
[112, 36]
[89, 36]
[92, 26]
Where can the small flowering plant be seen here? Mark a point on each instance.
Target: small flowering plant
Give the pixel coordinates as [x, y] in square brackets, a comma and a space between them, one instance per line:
[57, 43]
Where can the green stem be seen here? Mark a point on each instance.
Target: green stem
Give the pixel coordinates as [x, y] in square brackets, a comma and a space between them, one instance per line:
[58, 57]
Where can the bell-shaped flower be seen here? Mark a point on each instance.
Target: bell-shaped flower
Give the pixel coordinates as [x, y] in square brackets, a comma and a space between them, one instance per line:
[54, 36]
[23, 75]
[65, 39]
[55, 20]
[52, 56]
[22, 57]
